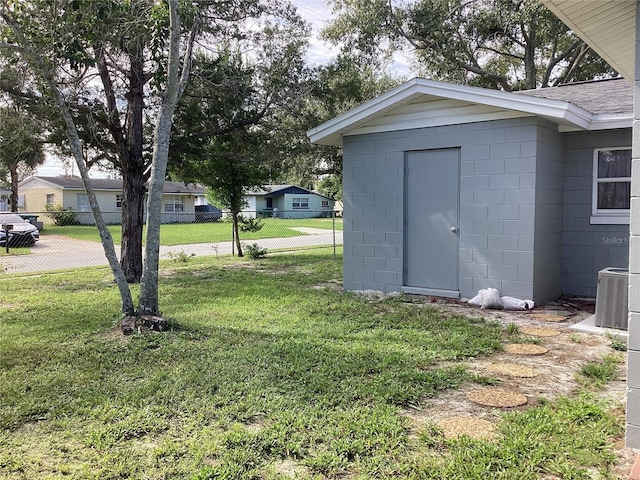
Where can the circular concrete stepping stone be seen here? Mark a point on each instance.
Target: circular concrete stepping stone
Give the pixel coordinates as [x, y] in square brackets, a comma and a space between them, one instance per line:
[513, 370]
[454, 427]
[539, 331]
[525, 349]
[496, 397]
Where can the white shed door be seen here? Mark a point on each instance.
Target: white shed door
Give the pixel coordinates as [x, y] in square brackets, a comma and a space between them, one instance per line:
[432, 184]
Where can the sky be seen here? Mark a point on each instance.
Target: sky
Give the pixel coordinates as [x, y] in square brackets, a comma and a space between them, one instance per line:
[317, 13]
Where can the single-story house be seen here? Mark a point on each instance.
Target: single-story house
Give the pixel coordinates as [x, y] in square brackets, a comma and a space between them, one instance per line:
[4, 199]
[36, 192]
[287, 201]
[449, 189]
[610, 27]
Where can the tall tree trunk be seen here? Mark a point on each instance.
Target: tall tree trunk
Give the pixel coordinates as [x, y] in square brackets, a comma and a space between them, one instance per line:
[133, 191]
[133, 175]
[13, 197]
[176, 82]
[236, 232]
[531, 81]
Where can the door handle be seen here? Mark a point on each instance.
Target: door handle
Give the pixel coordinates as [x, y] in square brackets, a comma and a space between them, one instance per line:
[453, 230]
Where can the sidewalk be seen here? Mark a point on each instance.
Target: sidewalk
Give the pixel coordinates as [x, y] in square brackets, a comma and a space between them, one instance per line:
[56, 252]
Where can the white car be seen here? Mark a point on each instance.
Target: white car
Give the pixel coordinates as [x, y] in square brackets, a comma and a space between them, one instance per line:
[21, 234]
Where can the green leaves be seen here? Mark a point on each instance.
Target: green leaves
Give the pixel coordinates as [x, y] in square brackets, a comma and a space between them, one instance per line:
[503, 44]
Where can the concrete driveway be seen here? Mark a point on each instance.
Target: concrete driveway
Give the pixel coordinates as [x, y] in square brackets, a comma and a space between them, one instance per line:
[55, 252]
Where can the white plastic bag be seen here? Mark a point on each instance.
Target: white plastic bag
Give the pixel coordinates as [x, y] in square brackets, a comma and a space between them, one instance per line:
[490, 298]
[511, 303]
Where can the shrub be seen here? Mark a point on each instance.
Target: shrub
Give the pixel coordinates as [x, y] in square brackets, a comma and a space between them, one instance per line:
[60, 216]
[255, 251]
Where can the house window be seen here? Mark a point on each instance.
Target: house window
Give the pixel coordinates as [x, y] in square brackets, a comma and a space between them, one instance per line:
[82, 203]
[611, 185]
[50, 199]
[174, 205]
[300, 202]
[325, 203]
[118, 202]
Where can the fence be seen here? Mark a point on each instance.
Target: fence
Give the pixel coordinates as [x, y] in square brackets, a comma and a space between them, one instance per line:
[72, 241]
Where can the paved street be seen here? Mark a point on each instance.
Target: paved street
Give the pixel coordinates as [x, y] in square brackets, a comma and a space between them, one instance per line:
[55, 252]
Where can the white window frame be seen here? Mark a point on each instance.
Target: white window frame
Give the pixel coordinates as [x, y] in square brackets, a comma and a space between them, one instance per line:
[82, 203]
[607, 216]
[172, 202]
[119, 199]
[300, 203]
[325, 203]
[50, 198]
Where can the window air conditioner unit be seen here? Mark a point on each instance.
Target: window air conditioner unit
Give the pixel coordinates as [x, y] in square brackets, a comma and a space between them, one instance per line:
[611, 298]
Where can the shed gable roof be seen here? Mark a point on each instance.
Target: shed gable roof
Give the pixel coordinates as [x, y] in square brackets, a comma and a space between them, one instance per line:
[421, 103]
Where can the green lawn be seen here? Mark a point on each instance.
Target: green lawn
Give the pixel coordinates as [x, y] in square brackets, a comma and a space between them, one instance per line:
[213, 232]
[267, 370]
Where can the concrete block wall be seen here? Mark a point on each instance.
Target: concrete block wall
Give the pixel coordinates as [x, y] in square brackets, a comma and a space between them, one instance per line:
[588, 248]
[548, 213]
[497, 205]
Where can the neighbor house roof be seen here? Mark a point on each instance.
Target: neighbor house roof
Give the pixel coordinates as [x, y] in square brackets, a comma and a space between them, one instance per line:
[421, 103]
[75, 183]
[281, 190]
[608, 26]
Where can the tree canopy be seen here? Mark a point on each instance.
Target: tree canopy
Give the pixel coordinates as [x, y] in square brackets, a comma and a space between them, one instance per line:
[22, 140]
[503, 44]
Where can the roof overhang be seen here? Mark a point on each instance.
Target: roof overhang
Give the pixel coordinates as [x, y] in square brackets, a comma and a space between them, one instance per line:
[409, 104]
[608, 26]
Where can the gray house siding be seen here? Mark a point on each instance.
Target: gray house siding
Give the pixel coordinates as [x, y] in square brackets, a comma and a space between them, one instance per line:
[497, 205]
[588, 248]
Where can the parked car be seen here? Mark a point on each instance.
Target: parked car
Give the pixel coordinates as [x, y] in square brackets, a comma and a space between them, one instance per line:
[208, 213]
[22, 233]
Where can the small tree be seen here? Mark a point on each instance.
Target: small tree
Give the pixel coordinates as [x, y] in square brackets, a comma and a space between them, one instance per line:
[227, 130]
[229, 166]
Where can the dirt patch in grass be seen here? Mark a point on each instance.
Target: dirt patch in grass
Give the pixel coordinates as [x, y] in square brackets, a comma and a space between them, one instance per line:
[291, 469]
[333, 285]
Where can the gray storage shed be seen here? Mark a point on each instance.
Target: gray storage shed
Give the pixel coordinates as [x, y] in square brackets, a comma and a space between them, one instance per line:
[449, 188]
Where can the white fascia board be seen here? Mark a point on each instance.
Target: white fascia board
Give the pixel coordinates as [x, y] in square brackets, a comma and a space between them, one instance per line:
[331, 132]
[611, 121]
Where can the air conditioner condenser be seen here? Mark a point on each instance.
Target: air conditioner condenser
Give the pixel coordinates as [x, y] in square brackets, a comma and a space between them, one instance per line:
[611, 298]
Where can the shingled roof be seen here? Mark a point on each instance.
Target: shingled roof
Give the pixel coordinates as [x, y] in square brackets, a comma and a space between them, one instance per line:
[75, 183]
[596, 97]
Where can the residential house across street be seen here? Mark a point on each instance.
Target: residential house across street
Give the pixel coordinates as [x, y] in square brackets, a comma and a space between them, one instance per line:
[287, 201]
[36, 192]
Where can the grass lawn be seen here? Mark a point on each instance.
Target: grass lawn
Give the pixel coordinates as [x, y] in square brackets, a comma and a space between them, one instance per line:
[15, 251]
[268, 372]
[212, 232]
